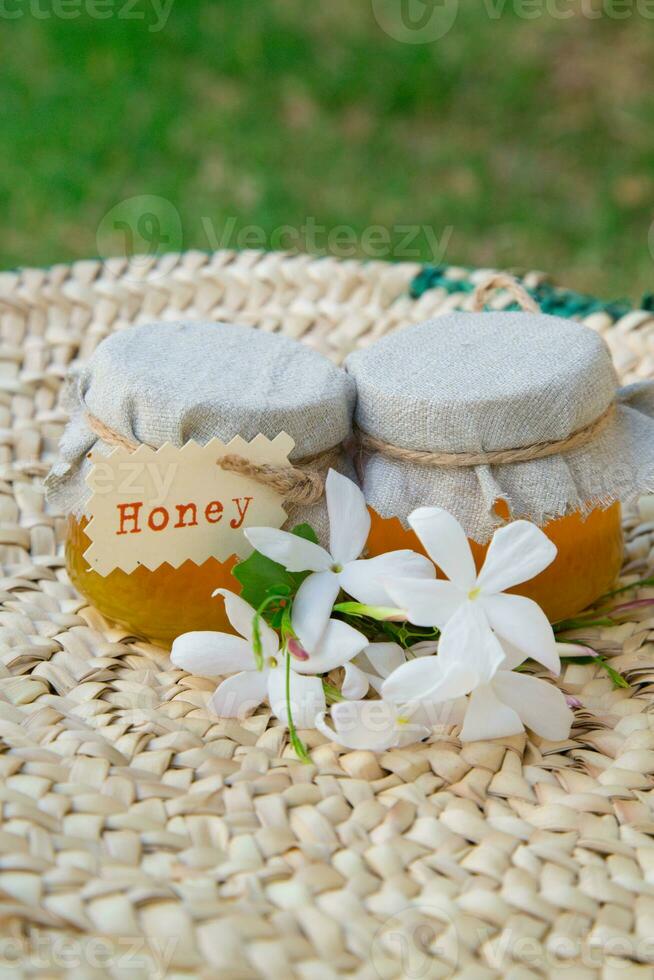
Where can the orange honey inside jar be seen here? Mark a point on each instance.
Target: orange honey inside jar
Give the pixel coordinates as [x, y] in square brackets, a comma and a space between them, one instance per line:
[158, 605]
[259, 397]
[589, 558]
[471, 410]
[163, 603]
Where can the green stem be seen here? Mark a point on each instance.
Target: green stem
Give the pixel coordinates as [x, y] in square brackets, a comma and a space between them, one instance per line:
[600, 620]
[257, 645]
[286, 628]
[640, 584]
[296, 741]
[332, 693]
[580, 623]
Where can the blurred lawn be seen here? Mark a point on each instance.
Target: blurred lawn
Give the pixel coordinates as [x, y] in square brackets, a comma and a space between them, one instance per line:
[532, 141]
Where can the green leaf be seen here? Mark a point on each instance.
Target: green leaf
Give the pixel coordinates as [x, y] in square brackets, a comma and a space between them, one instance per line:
[307, 532]
[616, 678]
[261, 578]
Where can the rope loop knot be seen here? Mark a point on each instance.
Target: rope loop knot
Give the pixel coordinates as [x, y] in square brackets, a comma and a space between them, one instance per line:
[502, 280]
[300, 484]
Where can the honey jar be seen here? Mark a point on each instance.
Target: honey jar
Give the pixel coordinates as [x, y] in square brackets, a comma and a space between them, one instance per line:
[505, 415]
[181, 382]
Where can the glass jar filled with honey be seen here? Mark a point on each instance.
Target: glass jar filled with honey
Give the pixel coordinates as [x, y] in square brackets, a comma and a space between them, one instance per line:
[181, 384]
[498, 416]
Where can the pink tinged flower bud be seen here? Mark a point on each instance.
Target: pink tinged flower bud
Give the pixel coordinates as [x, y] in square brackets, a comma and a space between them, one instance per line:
[296, 650]
[397, 617]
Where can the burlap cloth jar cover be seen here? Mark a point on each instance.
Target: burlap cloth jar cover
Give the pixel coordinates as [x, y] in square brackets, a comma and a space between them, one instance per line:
[478, 383]
[176, 382]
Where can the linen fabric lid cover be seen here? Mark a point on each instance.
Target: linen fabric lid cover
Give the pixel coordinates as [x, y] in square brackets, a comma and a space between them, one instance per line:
[173, 382]
[483, 382]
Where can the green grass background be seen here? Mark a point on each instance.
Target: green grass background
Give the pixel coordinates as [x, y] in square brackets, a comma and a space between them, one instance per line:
[531, 140]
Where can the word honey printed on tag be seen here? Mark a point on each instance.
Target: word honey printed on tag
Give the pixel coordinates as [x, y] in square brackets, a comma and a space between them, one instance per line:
[174, 505]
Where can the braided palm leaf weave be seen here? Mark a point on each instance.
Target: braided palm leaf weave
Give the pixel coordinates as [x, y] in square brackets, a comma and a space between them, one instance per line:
[141, 836]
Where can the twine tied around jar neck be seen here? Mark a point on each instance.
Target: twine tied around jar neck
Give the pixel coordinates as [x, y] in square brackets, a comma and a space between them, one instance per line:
[300, 484]
[494, 457]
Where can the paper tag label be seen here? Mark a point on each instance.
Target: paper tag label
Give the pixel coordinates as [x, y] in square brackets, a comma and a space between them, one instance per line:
[171, 505]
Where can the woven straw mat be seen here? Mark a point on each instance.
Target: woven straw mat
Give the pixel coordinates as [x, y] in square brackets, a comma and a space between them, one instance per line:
[143, 837]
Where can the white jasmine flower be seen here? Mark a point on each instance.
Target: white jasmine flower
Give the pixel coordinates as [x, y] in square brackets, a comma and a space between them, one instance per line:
[369, 668]
[378, 725]
[500, 703]
[472, 605]
[373, 725]
[213, 654]
[373, 665]
[338, 568]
